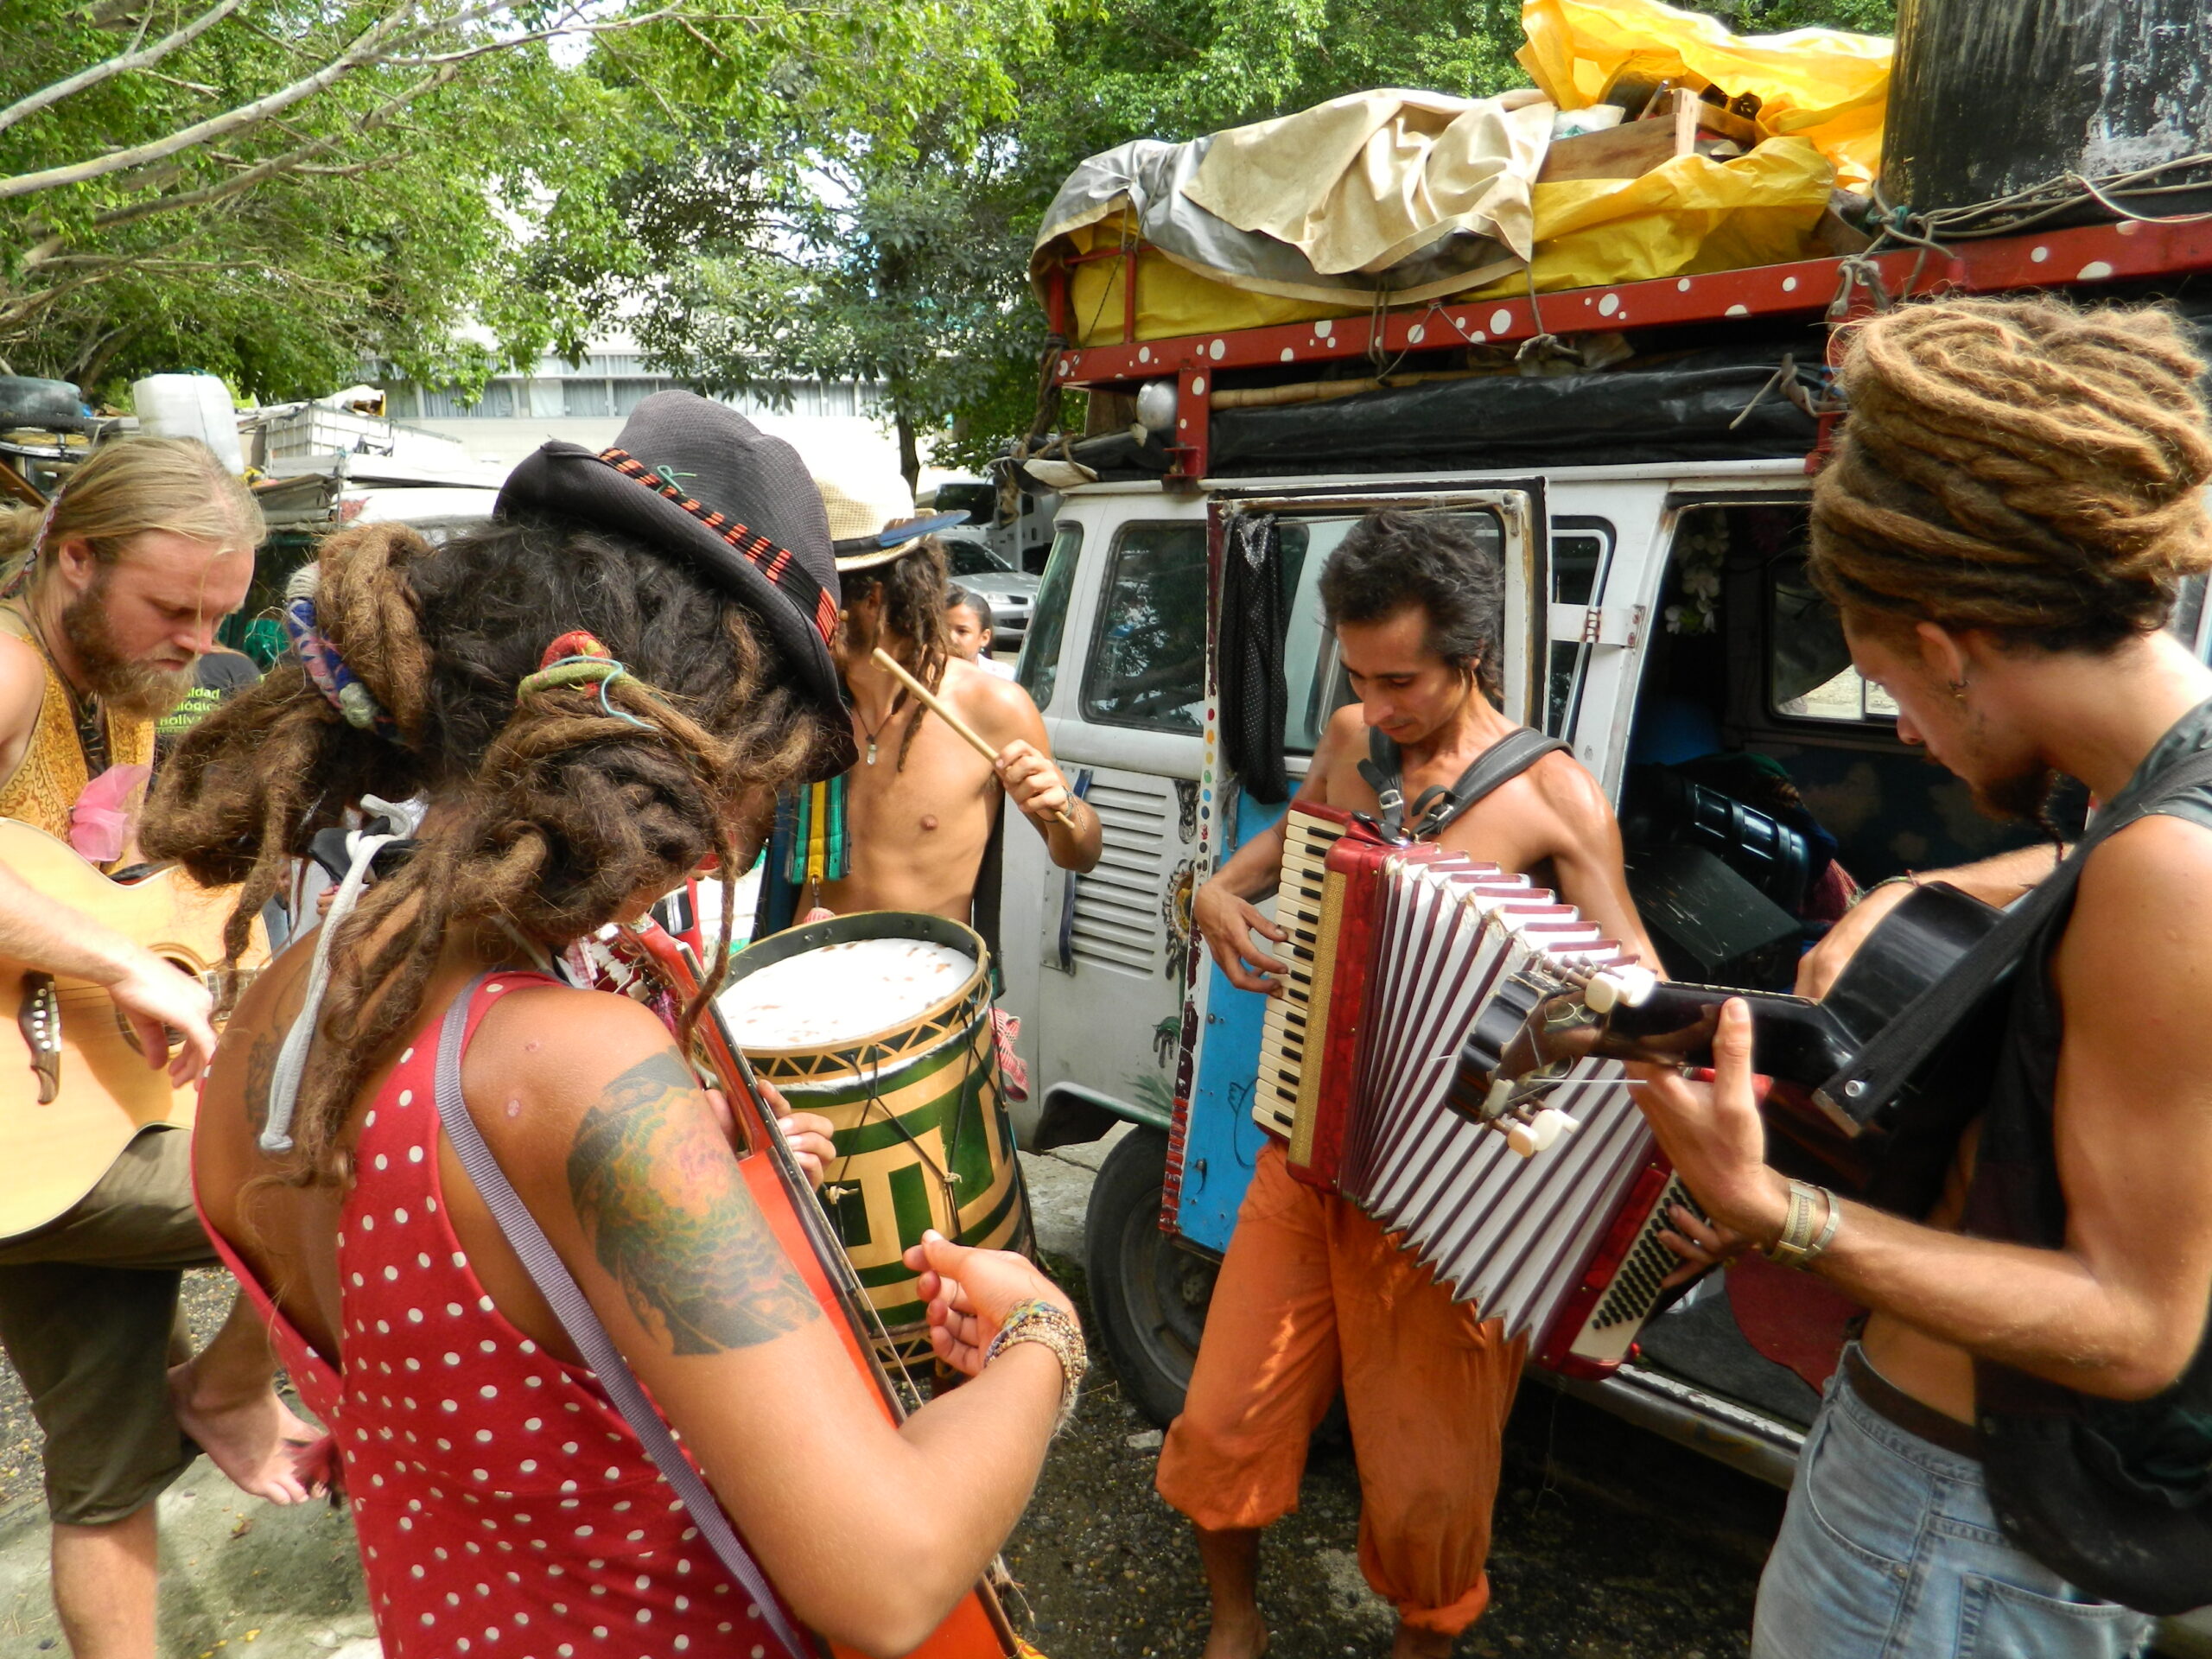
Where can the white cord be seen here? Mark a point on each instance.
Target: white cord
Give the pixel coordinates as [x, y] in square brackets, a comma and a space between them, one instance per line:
[361, 849]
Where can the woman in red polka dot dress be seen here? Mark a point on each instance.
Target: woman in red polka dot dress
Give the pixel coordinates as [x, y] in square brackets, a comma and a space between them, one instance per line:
[503, 1504]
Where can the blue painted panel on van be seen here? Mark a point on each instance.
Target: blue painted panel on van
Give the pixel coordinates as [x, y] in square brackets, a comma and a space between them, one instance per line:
[1222, 1141]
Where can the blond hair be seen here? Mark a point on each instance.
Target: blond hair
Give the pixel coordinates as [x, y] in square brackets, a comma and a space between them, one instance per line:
[128, 489]
[2022, 465]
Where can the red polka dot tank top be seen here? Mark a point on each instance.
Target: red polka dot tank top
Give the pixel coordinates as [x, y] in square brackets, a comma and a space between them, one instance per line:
[503, 1506]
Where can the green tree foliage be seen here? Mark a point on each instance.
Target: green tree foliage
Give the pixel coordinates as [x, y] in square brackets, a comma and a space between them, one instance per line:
[910, 264]
[279, 192]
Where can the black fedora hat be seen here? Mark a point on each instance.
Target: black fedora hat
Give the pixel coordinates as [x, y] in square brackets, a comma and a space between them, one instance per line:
[694, 479]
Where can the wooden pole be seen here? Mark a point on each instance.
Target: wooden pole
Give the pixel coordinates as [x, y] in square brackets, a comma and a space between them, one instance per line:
[937, 706]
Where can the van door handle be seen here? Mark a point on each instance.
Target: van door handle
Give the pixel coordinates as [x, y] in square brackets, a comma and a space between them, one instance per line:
[1079, 787]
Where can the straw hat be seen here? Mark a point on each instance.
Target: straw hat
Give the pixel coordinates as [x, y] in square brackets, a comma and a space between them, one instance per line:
[871, 520]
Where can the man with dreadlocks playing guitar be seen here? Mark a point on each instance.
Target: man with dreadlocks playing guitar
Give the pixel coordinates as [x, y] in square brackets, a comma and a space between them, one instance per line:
[2022, 1438]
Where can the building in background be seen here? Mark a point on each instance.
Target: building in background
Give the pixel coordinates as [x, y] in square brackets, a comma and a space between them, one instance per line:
[827, 420]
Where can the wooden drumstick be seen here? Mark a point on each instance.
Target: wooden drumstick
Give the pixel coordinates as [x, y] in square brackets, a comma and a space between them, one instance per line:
[961, 729]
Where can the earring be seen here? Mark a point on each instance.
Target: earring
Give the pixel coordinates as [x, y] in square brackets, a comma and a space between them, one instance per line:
[1958, 688]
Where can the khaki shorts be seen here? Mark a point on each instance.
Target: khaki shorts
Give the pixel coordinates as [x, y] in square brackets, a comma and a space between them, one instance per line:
[89, 1316]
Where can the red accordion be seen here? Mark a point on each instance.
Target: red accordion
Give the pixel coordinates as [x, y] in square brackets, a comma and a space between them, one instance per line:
[1546, 1217]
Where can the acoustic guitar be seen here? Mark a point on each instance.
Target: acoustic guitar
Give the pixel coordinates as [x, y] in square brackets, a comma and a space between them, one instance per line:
[1893, 1153]
[78, 1085]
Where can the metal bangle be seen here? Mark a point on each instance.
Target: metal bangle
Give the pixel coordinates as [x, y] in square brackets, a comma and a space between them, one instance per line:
[1798, 1246]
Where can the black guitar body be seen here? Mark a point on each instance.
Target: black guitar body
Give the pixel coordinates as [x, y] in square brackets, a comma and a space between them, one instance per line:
[1895, 1157]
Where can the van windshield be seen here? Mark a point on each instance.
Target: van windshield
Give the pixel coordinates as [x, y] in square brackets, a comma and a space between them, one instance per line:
[1038, 669]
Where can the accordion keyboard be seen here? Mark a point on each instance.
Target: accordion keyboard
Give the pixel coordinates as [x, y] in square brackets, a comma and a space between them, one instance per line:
[1299, 901]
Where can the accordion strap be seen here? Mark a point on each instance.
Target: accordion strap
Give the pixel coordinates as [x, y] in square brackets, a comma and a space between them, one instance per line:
[1438, 807]
[1896, 1052]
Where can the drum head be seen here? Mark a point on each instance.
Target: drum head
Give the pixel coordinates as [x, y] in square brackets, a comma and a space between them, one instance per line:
[854, 991]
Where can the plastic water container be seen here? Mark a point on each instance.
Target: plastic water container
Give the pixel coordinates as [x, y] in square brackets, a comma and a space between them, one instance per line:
[190, 406]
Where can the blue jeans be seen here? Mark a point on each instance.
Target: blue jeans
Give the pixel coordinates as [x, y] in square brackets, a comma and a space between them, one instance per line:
[1890, 1551]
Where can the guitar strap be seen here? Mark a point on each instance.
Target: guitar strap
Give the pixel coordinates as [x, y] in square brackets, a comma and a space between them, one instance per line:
[1896, 1052]
[566, 1297]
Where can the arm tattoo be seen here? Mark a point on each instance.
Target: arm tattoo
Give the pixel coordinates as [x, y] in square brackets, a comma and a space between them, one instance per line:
[670, 1219]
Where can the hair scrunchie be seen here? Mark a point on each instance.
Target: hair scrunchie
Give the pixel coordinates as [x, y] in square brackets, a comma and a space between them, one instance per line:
[340, 687]
[577, 659]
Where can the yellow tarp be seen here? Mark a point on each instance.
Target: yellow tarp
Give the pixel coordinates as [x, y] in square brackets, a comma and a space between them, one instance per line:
[1688, 217]
[1821, 93]
[1817, 84]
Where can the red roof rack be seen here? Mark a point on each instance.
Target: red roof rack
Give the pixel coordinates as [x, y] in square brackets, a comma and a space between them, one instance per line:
[2128, 250]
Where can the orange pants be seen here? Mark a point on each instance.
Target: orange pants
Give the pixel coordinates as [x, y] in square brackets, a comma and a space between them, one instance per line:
[1313, 1295]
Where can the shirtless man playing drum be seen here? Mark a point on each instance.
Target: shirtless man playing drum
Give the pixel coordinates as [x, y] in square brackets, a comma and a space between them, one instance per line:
[1312, 1295]
[920, 803]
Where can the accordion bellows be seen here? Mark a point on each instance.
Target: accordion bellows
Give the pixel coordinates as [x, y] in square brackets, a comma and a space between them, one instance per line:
[1396, 950]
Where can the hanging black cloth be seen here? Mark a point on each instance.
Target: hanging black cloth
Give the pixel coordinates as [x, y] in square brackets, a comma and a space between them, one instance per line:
[1254, 697]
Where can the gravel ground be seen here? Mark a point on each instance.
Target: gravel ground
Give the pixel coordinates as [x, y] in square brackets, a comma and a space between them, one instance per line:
[1608, 1542]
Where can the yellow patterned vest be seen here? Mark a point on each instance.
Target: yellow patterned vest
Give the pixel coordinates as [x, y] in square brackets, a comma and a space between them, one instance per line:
[53, 774]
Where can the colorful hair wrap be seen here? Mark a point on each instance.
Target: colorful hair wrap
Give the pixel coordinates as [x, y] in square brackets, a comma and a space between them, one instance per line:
[578, 658]
[340, 687]
[810, 828]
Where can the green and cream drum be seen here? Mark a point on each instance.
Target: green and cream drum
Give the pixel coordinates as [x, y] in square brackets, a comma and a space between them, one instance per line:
[881, 1023]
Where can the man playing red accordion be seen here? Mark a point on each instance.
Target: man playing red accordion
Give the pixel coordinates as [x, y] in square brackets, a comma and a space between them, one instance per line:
[1312, 1295]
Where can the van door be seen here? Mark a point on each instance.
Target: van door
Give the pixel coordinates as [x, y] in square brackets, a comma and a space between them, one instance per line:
[1106, 949]
[1216, 1151]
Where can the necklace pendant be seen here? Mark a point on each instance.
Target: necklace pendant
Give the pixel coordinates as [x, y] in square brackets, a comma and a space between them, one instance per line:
[871, 751]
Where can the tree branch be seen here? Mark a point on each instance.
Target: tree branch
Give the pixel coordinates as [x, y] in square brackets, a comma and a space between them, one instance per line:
[289, 162]
[363, 50]
[97, 72]
[508, 44]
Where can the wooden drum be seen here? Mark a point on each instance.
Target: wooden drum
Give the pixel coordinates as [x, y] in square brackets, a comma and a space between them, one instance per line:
[881, 1023]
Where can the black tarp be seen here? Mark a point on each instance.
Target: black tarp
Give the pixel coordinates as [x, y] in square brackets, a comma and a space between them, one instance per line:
[1682, 408]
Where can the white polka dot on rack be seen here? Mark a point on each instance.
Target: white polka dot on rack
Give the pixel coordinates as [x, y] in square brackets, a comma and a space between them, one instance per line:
[413, 1154]
[407, 1096]
[406, 1056]
[399, 1218]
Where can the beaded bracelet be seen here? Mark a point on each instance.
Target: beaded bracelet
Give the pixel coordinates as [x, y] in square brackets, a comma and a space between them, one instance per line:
[1035, 1320]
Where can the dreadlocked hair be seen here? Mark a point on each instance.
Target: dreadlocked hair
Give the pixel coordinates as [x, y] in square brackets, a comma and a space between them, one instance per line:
[2020, 466]
[559, 810]
[914, 610]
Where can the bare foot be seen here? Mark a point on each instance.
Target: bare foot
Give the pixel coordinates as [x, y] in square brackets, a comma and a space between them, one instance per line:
[1238, 1638]
[245, 1438]
[295, 1429]
[1413, 1644]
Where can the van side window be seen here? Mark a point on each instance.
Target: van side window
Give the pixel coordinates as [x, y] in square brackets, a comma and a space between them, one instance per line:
[1147, 665]
[1039, 667]
[1809, 676]
[1311, 674]
[1581, 551]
